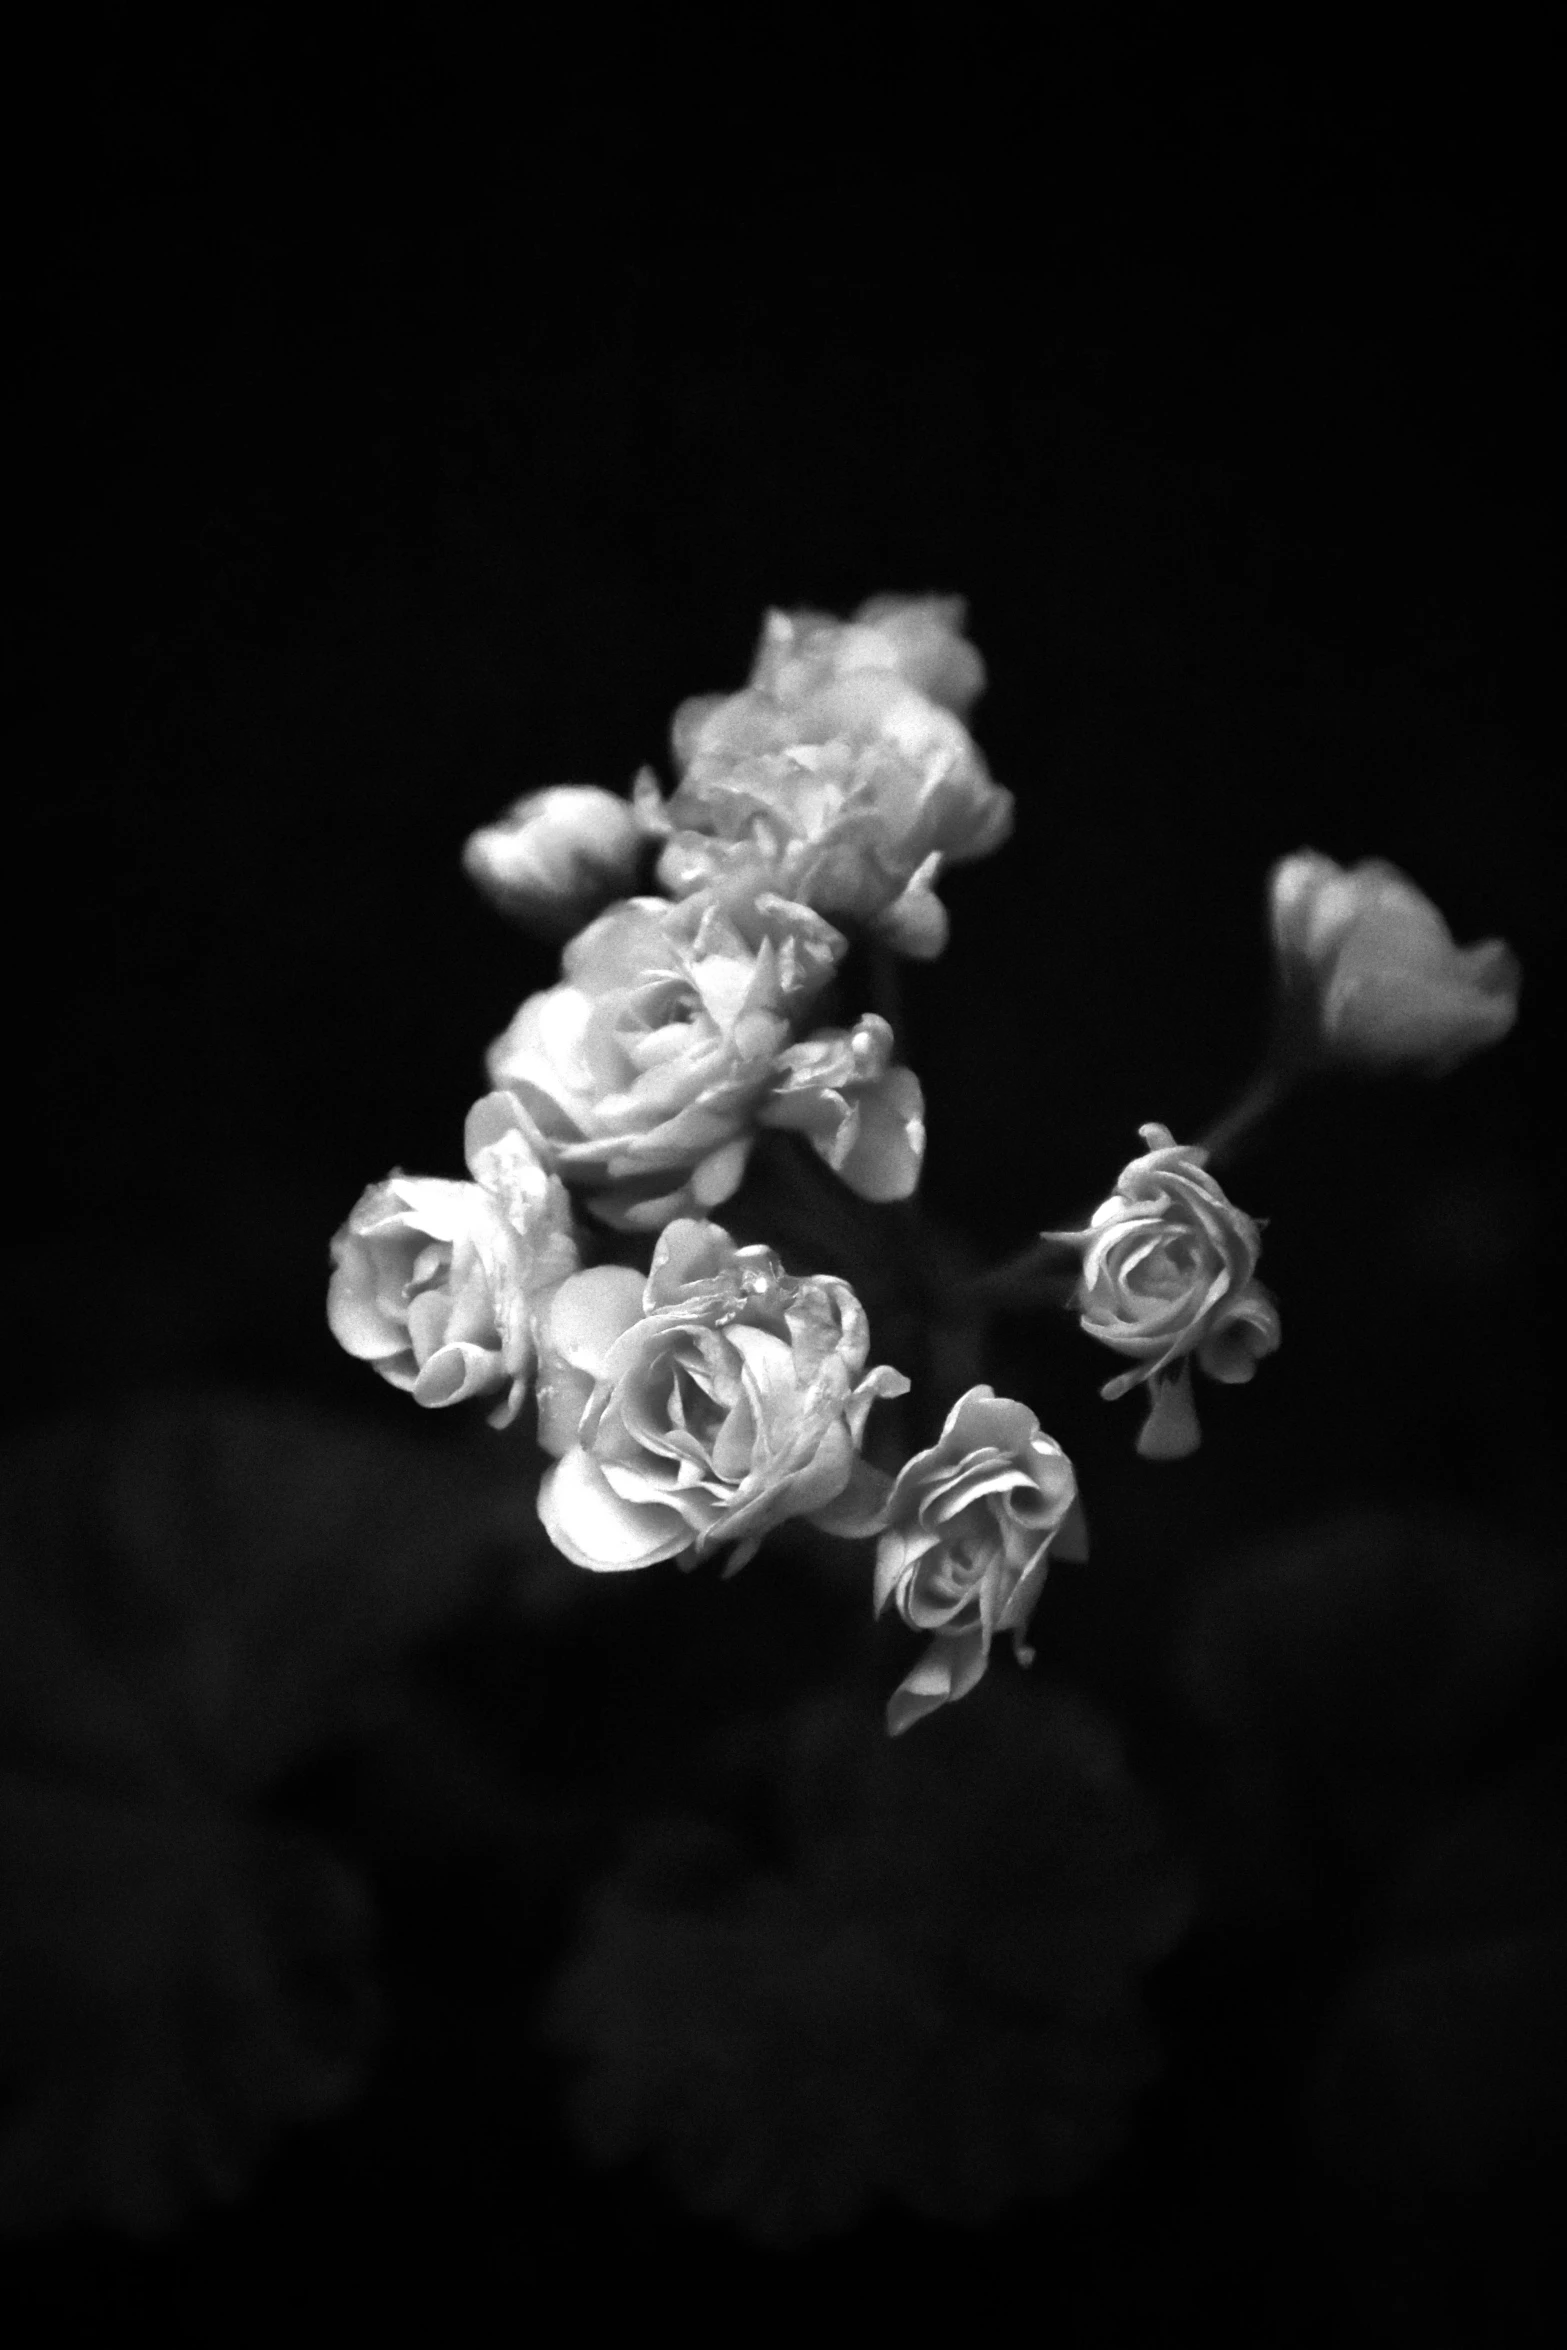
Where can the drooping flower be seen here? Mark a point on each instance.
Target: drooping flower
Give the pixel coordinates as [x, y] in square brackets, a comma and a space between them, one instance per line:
[440, 1284]
[642, 1077]
[703, 1406]
[1169, 1274]
[557, 857]
[1371, 975]
[841, 776]
[970, 1523]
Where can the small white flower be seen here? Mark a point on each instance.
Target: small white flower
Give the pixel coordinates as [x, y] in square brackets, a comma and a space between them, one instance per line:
[557, 857]
[1368, 962]
[1169, 1274]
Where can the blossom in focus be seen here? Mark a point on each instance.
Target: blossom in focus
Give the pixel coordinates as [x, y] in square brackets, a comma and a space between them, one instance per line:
[557, 856]
[842, 775]
[1368, 961]
[439, 1284]
[642, 1076]
[970, 1523]
[1169, 1273]
[703, 1406]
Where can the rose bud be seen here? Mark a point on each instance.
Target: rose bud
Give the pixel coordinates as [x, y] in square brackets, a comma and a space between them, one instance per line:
[1371, 976]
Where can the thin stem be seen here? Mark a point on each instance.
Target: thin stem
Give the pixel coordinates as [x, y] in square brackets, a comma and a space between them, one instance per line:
[1266, 1090]
[1044, 1273]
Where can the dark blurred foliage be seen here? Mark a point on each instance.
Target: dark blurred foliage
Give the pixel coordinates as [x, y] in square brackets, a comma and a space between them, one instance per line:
[403, 421]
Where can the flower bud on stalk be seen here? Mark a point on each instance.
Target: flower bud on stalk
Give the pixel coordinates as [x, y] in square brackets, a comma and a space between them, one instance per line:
[1370, 976]
[557, 857]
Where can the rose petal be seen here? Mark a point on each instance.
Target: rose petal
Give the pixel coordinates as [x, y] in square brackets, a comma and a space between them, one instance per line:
[888, 1150]
[594, 1527]
[589, 1312]
[952, 1665]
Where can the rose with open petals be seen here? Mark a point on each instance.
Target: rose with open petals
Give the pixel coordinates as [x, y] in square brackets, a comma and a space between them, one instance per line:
[705, 1405]
[557, 856]
[970, 1524]
[1370, 972]
[1169, 1273]
[439, 1284]
[643, 1076]
[842, 776]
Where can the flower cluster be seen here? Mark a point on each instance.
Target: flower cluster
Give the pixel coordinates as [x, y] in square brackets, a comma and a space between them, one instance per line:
[695, 1399]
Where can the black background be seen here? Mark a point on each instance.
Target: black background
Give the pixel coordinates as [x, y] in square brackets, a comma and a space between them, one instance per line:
[405, 420]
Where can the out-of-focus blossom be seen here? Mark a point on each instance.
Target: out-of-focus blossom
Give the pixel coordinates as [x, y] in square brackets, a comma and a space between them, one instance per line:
[1349, 1677]
[439, 1284]
[1371, 975]
[933, 2003]
[842, 776]
[1169, 1274]
[232, 1579]
[916, 638]
[1441, 2066]
[557, 857]
[705, 1405]
[970, 1524]
[179, 1989]
[642, 1076]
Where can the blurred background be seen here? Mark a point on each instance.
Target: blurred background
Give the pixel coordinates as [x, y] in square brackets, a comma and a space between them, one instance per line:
[403, 421]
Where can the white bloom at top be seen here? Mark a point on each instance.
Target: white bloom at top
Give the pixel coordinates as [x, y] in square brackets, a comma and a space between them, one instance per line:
[842, 776]
[1369, 961]
[917, 638]
[557, 856]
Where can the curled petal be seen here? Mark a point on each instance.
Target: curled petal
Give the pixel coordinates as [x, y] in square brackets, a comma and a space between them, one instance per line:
[951, 1666]
[595, 1527]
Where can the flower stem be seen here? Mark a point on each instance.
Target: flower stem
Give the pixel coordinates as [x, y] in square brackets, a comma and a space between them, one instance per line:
[1043, 1274]
[1266, 1090]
